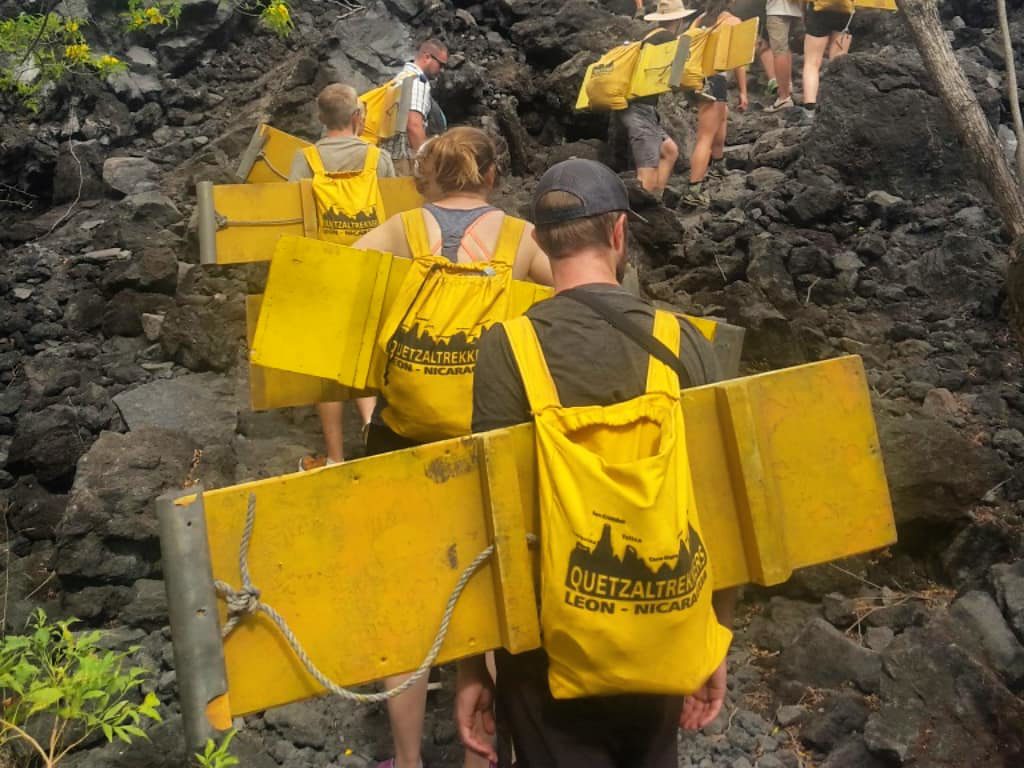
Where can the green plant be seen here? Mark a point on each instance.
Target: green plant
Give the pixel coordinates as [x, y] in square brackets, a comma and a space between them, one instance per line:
[63, 687]
[217, 755]
[37, 50]
[151, 13]
[276, 16]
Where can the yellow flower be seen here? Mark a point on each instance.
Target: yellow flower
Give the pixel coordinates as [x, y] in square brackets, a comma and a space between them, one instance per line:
[77, 54]
[348, 752]
[154, 16]
[281, 11]
[71, 26]
[108, 61]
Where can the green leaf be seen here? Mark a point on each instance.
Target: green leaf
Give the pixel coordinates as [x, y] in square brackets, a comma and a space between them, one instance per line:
[42, 698]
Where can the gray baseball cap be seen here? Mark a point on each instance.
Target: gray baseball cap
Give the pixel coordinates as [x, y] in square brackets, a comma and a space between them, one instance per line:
[597, 188]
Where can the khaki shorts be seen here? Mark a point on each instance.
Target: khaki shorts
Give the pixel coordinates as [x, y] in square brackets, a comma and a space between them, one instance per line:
[779, 28]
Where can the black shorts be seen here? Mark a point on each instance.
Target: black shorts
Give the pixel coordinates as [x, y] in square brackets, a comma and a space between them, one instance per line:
[716, 86]
[825, 23]
[629, 731]
[381, 439]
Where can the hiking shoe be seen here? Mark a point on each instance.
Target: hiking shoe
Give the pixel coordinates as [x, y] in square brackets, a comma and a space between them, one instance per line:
[718, 168]
[772, 87]
[780, 104]
[314, 461]
[695, 198]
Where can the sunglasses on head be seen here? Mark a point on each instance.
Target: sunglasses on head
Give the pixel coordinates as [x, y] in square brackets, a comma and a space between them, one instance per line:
[440, 63]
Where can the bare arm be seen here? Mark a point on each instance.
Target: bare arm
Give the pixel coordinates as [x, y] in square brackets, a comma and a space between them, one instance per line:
[531, 262]
[416, 130]
[388, 237]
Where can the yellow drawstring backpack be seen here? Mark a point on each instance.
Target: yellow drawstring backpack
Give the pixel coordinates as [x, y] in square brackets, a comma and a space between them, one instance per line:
[428, 342]
[695, 67]
[839, 6]
[625, 578]
[348, 204]
[607, 82]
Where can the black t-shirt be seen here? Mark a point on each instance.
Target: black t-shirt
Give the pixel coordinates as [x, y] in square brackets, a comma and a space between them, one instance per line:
[591, 363]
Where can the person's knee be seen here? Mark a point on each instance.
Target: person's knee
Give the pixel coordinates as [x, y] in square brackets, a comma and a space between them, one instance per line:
[669, 150]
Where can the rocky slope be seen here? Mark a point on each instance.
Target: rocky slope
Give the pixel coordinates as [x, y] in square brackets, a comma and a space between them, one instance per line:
[862, 232]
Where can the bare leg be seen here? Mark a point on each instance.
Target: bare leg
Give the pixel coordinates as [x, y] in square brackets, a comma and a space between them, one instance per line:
[814, 54]
[718, 146]
[365, 406]
[708, 116]
[330, 423]
[741, 84]
[648, 178]
[784, 74]
[666, 164]
[406, 714]
[767, 60]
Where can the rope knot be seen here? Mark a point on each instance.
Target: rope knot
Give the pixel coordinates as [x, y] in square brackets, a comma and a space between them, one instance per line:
[243, 601]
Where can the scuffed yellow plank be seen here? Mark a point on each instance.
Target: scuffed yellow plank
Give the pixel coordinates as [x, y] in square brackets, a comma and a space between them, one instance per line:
[360, 558]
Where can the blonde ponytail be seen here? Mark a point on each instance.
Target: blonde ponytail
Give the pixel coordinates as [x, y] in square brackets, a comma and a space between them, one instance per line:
[456, 161]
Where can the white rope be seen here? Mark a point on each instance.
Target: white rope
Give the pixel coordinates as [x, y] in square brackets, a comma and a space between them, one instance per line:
[246, 601]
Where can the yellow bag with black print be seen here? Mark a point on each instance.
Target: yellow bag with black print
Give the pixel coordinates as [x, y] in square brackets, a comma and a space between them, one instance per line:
[607, 81]
[348, 203]
[625, 578]
[839, 6]
[428, 342]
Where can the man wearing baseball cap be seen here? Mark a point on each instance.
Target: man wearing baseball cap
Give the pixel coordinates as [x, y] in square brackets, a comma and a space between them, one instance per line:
[654, 151]
[580, 211]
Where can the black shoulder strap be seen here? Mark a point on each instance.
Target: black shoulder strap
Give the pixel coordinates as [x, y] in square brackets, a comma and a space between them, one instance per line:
[634, 333]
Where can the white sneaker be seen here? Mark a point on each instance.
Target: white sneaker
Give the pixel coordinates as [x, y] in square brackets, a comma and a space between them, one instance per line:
[780, 104]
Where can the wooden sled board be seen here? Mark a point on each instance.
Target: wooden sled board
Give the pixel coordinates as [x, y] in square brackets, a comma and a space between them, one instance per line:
[346, 292]
[270, 388]
[878, 5]
[268, 158]
[241, 223]
[731, 47]
[659, 68]
[360, 558]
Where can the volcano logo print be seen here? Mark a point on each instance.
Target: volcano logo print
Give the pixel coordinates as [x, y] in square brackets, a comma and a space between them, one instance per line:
[415, 348]
[336, 222]
[600, 581]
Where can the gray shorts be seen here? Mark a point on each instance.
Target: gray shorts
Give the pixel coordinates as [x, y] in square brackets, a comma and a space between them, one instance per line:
[644, 132]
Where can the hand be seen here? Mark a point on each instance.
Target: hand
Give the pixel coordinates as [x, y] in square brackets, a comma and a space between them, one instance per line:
[744, 102]
[703, 706]
[474, 707]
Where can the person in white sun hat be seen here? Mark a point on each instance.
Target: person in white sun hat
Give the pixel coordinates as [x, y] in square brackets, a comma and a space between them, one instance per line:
[654, 151]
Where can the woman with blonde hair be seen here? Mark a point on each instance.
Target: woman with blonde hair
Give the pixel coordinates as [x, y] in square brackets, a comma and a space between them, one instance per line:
[457, 172]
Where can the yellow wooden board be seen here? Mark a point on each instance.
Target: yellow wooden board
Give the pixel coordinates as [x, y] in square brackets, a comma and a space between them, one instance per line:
[659, 68]
[731, 47]
[360, 558]
[270, 388]
[879, 5]
[655, 67]
[345, 294]
[241, 223]
[268, 158]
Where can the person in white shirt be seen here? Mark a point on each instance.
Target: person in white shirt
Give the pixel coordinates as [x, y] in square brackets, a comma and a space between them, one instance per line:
[431, 58]
[782, 15]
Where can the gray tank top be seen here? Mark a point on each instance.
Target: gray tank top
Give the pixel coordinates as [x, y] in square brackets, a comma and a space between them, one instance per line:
[453, 224]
